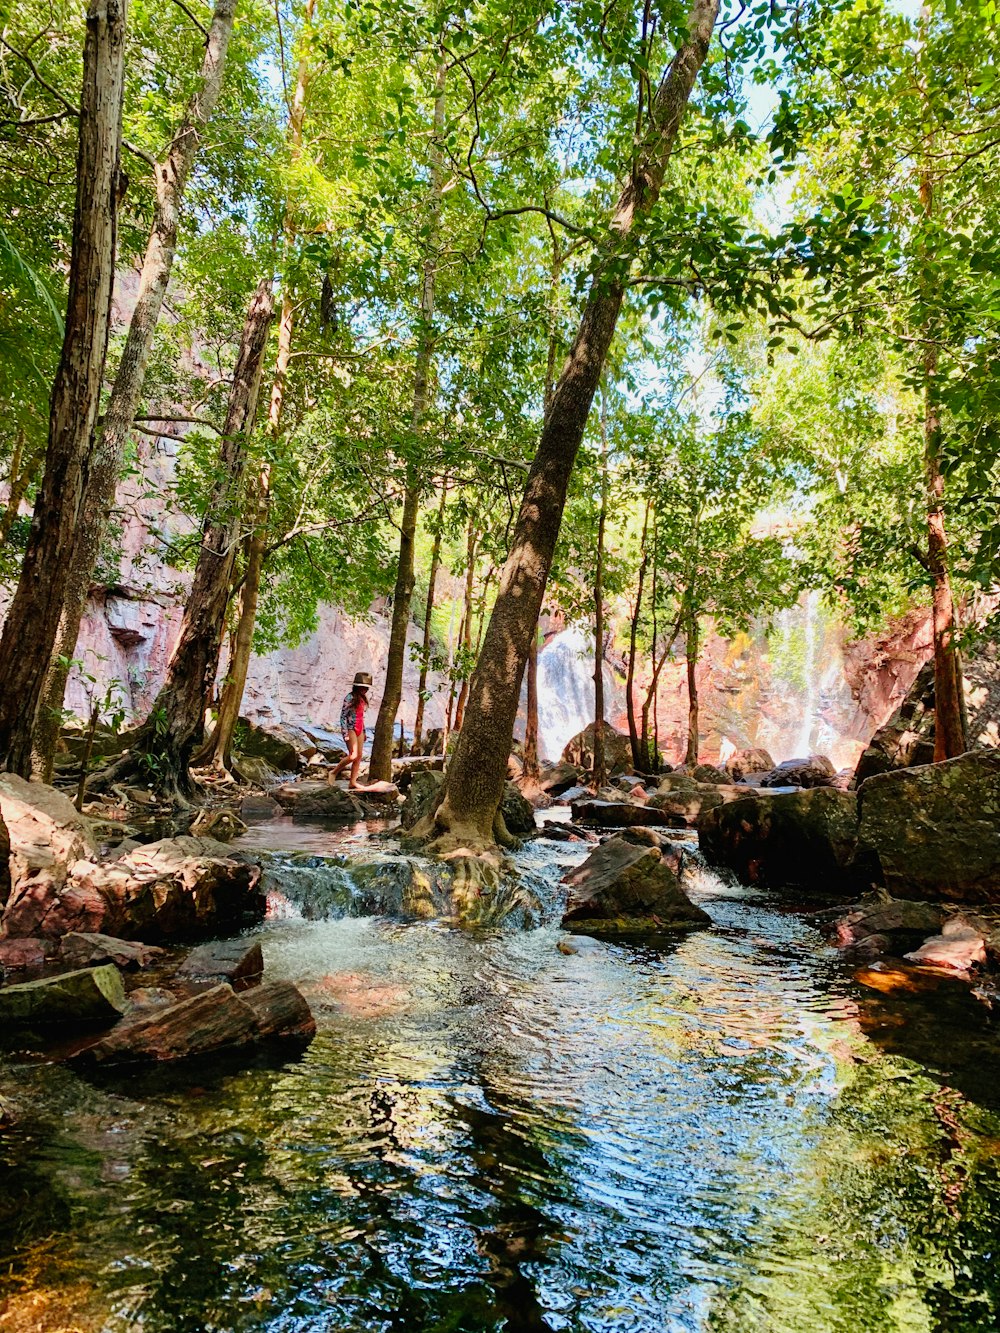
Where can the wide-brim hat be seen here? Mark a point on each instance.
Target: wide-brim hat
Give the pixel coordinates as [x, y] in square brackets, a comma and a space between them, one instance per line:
[362, 681]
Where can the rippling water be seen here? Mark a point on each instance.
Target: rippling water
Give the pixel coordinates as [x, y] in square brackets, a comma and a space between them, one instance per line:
[489, 1134]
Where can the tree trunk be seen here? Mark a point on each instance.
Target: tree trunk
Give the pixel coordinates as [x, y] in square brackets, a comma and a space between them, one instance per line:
[425, 652]
[468, 813]
[470, 576]
[33, 616]
[166, 741]
[171, 179]
[531, 770]
[600, 765]
[24, 465]
[633, 730]
[380, 764]
[691, 656]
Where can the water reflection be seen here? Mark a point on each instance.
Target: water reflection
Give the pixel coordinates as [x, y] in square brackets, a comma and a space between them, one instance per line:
[487, 1134]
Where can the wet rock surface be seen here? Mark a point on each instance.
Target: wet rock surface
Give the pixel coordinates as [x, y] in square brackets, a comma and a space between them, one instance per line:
[318, 800]
[934, 832]
[89, 950]
[239, 962]
[71, 999]
[624, 888]
[803, 839]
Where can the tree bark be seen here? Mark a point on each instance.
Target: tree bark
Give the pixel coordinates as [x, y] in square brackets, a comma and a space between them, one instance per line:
[171, 178]
[470, 577]
[380, 763]
[530, 768]
[425, 651]
[633, 730]
[167, 739]
[468, 813]
[32, 621]
[600, 766]
[691, 657]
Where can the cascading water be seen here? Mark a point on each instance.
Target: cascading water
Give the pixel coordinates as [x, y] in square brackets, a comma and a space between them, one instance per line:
[566, 691]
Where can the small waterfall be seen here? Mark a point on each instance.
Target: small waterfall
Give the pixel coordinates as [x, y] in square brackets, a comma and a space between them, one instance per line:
[810, 673]
[566, 691]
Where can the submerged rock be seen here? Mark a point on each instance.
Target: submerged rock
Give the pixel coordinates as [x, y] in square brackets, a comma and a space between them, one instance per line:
[802, 839]
[239, 962]
[90, 995]
[88, 950]
[214, 1020]
[626, 888]
[934, 832]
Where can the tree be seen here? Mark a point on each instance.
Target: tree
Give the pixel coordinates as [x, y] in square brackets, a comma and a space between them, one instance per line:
[467, 816]
[33, 617]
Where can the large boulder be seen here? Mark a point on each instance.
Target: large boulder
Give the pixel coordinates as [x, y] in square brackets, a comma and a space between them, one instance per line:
[318, 800]
[814, 771]
[518, 812]
[933, 832]
[559, 778]
[617, 750]
[804, 839]
[748, 763]
[627, 888]
[46, 835]
[89, 995]
[177, 888]
[214, 1020]
[907, 739]
[276, 745]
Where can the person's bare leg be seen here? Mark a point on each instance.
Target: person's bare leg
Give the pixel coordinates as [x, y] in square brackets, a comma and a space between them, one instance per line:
[355, 757]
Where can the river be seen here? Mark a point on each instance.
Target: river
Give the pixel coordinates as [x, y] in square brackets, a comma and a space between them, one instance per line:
[731, 1133]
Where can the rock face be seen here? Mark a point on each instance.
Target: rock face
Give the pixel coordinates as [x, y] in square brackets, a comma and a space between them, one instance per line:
[214, 1020]
[90, 995]
[617, 749]
[627, 888]
[815, 771]
[178, 888]
[803, 839]
[907, 739]
[934, 831]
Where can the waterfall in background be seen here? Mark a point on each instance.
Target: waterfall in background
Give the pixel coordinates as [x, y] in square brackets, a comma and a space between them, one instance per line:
[566, 691]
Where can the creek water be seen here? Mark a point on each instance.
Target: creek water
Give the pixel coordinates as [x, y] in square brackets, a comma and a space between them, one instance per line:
[730, 1133]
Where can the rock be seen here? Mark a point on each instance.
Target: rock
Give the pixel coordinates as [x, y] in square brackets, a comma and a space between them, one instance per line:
[708, 773]
[934, 832]
[958, 948]
[617, 750]
[671, 854]
[276, 745]
[214, 1020]
[625, 888]
[178, 888]
[746, 763]
[222, 825]
[21, 955]
[240, 962]
[150, 997]
[804, 839]
[617, 814]
[256, 772]
[580, 793]
[676, 781]
[907, 739]
[579, 944]
[4, 861]
[421, 797]
[46, 836]
[380, 793]
[257, 807]
[559, 778]
[318, 800]
[566, 833]
[281, 1011]
[685, 806]
[90, 995]
[518, 812]
[891, 919]
[89, 950]
[816, 771]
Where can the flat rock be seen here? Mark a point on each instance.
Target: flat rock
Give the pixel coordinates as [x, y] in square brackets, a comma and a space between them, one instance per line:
[214, 1020]
[958, 948]
[240, 962]
[319, 800]
[90, 995]
[685, 806]
[89, 950]
[617, 814]
[622, 883]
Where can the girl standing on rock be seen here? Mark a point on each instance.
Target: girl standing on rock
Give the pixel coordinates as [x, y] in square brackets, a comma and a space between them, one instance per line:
[352, 726]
